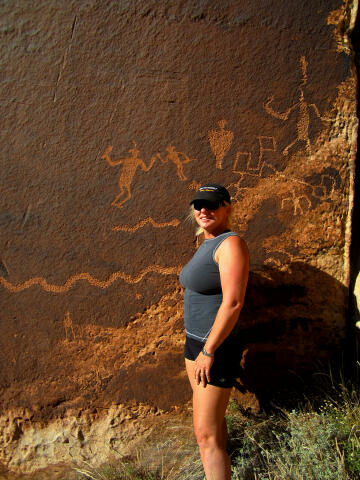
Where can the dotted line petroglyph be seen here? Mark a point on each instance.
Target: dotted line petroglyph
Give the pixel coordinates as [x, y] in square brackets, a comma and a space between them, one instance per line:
[142, 223]
[41, 282]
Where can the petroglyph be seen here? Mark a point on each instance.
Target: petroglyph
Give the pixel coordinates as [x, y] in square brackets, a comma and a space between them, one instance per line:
[328, 183]
[300, 203]
[220, 142]
[245, 159]
[303, 122]
[142, 223]
[41, 282]
[277, 257]
[131, 163]
[194, 185]
[178, 158]
[129, 167]
[68, 326]
[322, 189]
[241, 162]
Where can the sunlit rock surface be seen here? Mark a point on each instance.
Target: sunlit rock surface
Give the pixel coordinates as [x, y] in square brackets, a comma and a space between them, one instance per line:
[113, 113]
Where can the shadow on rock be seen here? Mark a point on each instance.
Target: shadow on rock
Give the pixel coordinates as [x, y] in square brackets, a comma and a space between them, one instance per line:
[292, 325]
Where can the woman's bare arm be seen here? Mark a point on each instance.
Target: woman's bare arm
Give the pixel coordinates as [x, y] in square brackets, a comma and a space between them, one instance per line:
[233, 259]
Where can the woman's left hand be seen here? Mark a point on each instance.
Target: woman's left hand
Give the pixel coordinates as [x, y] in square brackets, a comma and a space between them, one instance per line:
[202, 369]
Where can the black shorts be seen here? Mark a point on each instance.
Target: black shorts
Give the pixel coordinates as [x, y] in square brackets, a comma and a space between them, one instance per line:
[226, 366]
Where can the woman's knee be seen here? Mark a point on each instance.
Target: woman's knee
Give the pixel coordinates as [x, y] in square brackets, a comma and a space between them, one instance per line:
[207, 437]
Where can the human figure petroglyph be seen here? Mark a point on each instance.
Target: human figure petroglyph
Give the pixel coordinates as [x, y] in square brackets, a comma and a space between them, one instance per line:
[194, 185]
[220, 142]
[178, 158]
[130, 165]
[299, 202]
[303, 122]
[68, 325]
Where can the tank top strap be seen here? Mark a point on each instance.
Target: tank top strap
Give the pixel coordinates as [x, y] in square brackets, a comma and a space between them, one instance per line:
[223, 236]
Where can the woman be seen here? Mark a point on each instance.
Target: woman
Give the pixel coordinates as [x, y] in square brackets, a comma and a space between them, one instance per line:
[215, 281]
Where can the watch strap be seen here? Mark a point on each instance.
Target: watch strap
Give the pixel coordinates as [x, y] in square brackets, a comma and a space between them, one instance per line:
[207, 354]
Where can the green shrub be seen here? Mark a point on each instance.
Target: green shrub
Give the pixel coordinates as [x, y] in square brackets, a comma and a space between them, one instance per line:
[307, 443]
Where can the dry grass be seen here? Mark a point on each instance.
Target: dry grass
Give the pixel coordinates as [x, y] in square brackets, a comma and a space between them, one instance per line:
[168, 452]
[315, 441]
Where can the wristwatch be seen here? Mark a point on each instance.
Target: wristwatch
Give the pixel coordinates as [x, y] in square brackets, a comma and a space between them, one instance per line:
[207, 354]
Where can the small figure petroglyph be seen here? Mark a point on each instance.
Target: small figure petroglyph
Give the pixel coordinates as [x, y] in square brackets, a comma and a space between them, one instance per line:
[299, 203]
[68, 325]
[175, 157]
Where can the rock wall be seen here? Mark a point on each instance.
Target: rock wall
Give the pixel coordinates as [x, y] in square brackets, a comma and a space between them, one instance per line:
[113, 113]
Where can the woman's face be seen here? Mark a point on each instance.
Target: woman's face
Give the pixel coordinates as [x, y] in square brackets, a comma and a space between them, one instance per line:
[212, 221]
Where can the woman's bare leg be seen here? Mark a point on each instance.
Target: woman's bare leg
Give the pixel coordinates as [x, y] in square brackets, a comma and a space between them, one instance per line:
[209, 405]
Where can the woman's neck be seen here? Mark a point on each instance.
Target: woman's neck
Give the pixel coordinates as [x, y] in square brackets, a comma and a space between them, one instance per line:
[209, 235]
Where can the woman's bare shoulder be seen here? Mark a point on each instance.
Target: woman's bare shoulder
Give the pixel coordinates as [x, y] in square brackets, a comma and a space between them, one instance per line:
[232, 245]
[234, 241]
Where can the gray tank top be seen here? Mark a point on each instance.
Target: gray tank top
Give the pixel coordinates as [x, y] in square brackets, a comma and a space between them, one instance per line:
[203, 295]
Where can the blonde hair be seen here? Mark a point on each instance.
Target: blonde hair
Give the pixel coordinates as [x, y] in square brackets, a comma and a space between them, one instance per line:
[199, 230]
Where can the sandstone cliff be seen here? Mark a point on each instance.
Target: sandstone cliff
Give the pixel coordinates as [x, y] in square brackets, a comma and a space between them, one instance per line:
[113, 113]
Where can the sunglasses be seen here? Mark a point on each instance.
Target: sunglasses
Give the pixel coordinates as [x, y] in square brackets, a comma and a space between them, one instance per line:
[199, 204]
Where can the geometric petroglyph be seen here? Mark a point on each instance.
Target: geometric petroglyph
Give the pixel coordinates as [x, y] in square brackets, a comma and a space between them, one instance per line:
[132, 162]
[220, 142]
[142, 223]
[244, 160]
[328, 183]
[241, 162]
[41, 282]
[303, 121]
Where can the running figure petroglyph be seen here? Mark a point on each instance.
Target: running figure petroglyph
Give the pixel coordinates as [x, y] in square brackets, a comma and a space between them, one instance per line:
[303, 121]
[129, 166]
[175, 157]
